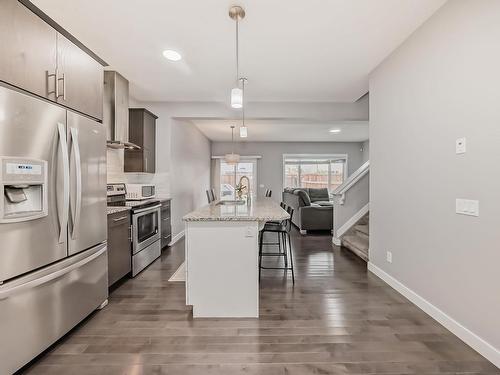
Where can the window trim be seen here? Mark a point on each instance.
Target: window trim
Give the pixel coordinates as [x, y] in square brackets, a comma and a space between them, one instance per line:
[314, 156]
[243, 159]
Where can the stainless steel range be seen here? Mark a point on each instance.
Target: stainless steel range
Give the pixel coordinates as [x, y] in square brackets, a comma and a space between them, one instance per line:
[146, 229]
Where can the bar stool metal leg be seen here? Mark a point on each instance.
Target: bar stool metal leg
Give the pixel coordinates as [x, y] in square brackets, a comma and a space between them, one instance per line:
[291, 256]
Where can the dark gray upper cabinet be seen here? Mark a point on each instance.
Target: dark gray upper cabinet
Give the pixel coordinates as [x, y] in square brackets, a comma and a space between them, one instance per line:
[36, 57]
[142, 132]
[81, 79]
[27, 50]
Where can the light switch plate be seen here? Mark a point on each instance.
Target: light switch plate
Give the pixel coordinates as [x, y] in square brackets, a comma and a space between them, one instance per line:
[461, 145]
[389, 256]
[467, 207]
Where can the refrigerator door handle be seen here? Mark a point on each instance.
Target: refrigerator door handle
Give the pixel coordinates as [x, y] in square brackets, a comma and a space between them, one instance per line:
[4, 294]
[63, 144]
[76, 211]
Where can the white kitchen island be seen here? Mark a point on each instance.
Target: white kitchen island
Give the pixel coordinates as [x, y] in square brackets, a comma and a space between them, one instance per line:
[222, 251]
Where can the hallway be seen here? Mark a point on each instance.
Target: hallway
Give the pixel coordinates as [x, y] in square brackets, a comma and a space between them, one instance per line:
[338, 319]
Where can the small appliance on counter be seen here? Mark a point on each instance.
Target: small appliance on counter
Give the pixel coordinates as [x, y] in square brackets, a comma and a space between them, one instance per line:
[140, 191]
[146, 219]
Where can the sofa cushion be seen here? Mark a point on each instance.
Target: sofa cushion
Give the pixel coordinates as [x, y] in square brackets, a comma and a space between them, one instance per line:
[318, 194]
[303, 197]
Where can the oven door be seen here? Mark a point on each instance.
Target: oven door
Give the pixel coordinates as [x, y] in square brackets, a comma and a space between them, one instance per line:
[145, 227]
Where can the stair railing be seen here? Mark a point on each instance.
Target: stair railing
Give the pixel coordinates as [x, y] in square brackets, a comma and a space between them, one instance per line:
[351, 202]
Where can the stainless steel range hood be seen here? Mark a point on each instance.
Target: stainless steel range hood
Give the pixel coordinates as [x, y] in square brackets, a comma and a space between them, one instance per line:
[115, 111]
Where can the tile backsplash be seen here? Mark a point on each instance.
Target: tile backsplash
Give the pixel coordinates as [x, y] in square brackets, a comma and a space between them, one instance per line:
[115, 160]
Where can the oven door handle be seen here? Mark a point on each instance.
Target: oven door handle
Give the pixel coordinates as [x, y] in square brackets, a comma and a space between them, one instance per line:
[146, 209]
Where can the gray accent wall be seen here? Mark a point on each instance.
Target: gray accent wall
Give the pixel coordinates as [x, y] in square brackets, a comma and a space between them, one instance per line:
[441, 84]
[270, 167]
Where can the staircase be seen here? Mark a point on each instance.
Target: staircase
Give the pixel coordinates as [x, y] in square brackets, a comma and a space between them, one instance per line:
[350, 213]
[357, 239]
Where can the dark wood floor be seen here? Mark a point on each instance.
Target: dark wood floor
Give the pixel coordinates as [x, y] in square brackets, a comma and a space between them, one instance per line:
[338, 319]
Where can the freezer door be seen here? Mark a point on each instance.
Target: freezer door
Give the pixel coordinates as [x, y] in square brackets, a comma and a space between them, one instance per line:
[32, 128]
[87, 150]
[40, 307]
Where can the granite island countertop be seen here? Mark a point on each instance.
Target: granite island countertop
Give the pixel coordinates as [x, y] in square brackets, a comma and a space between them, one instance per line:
[261, 209]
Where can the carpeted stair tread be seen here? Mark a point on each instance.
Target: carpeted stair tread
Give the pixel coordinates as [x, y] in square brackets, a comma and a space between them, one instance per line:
[357, 244]
[363, 229]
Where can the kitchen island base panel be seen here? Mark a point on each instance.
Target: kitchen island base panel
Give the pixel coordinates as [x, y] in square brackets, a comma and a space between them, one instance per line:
[222, 278]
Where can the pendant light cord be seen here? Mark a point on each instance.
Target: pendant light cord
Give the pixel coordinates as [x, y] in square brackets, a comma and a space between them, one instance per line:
[237, 51]
[243, 100]
[232, 139]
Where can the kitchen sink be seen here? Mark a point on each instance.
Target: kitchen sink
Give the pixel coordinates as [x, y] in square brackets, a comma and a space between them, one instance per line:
[225, 203]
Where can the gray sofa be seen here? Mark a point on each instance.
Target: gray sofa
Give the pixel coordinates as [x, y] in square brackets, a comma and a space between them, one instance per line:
[313, 209]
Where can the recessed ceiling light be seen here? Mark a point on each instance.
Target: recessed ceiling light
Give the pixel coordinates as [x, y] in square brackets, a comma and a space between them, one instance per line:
[335, 130]
[172, 55]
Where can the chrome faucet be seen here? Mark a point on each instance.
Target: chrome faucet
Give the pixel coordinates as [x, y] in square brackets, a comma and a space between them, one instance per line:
[248, 187]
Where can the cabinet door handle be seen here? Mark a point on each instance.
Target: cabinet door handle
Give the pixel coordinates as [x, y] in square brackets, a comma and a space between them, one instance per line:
[120, 218]
[165, 219]
[63, 79]
[56, 87]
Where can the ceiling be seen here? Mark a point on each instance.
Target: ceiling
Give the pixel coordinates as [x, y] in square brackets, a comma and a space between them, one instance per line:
[295, 50]
[285, 130]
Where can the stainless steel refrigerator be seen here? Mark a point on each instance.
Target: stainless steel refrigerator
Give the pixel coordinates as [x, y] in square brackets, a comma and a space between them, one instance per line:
[53, 260]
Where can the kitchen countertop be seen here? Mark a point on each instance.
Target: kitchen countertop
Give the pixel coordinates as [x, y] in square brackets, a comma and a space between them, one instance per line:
[115, 209]
[164, 199]
[262, 209]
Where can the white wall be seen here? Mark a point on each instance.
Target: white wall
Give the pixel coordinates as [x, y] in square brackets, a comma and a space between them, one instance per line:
[441, 84]
[190, 166]
[270, 167]
[366, 151]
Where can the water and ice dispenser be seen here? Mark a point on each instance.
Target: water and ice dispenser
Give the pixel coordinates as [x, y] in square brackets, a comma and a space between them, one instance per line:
[23, 184]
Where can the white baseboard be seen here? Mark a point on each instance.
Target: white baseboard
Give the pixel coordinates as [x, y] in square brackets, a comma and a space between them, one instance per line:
[176, 238]
[353, 220]
[336, 241]
[477, 343]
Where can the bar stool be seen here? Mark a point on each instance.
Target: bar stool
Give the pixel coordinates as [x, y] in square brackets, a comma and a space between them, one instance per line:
[283, 231]
[210, 195]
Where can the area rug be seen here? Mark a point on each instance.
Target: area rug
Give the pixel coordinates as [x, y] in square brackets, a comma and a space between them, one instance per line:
[180, 274]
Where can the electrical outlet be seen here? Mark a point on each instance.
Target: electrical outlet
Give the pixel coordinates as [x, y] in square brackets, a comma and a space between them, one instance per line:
[389, 256]
[249, 232]
[461, 146]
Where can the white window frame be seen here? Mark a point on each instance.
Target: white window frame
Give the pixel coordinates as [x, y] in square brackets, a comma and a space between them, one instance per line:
[243, 159]
[315, 156]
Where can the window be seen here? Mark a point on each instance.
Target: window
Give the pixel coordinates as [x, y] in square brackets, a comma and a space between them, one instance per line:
[314, 171]
[230, 175]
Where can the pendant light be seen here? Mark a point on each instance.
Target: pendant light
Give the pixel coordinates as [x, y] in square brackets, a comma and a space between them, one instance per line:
[237, 13]
[232, 158]
[243, 128]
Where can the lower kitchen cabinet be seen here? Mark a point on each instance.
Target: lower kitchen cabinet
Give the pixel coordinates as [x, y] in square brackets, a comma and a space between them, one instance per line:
[119, 251]
[166, 227]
